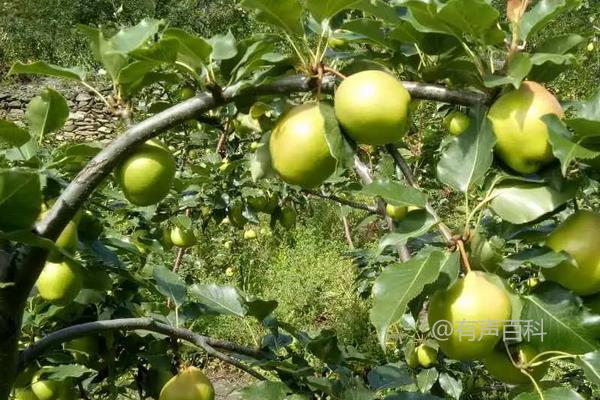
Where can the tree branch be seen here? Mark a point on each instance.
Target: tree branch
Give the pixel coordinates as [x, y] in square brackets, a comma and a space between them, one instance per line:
[129, 324]
[410, 179]
[349, 203]
[365, 175]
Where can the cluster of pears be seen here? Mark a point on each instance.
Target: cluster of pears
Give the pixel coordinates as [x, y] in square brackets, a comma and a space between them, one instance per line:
[370, 106]
[475, 311]
[267, 203]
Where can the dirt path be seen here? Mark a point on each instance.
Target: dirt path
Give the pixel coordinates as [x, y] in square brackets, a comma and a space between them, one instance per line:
[226, 381]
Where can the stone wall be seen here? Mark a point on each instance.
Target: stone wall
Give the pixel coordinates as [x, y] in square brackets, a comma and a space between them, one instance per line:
[89, 119]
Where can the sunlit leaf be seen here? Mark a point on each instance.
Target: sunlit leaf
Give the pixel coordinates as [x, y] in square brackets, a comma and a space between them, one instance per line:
[285, 14]
[20, 199]
[467, 158]
[219, 299]
[325, 9]
[12, 135]
[563, 146]
[557, 313]
[170, 285]
[396, 193]
[46, 113]
[521, 202]
[398, 284]
[43, 68]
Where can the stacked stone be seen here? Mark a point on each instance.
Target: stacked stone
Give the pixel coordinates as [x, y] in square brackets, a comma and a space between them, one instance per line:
[89, 118]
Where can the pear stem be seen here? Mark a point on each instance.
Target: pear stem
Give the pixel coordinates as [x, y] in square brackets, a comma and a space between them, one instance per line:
[463, 255]
[334, 72]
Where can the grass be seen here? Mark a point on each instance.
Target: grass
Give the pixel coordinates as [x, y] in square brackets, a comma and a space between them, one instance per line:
[303, 269]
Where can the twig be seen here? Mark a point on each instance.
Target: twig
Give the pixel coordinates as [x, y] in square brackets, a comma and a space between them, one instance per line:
[347, 232]
[349, 203]
[335, 72]
[128, 324]
[410, 179]
[463, 255]
[365, 174]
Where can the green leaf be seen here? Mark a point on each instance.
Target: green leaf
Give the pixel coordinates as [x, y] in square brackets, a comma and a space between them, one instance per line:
[541, 14]
[379, 9]
[46, 113]
[20, 199]
[425, 380]
[170, 285]
[547, 67]
[260, 163]
[223, 46]
[388, 376]
[12, 135]
[586, 118]
[65, 371]
[398, 284]
[165, 50]
[325, 347]
[112, 60]
[542, 257]
[522, 202]
[467, 157]
[338, 146]
[518, 68]
[285, 14]
[417, 223]
[560, 44]
[396, 193]
[451, 386]
[371, 29]
[43, 68]
[559, 314]
[193, 51]
[555, 393]
[475, 18]
[326, 9]
[563, 147]
[266, 390]
[590, 363]
[130, 39]
[219, 299]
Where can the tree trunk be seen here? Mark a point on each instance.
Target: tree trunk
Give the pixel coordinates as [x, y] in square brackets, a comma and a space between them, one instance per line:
[10, 323]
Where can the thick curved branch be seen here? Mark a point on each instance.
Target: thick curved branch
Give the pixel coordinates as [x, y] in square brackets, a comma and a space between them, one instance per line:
[130, 324]
[411, 180]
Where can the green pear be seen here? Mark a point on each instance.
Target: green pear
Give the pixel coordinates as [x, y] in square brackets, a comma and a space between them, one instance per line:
[521, 134]
[183, 237]
[299, 150]
[147, 175]
[470, 308]
[426, 356]
[372, 107]
[456, 123]
[60, 283]
[397, 213]
[578, 236]
[188, 384]
[500, 366]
